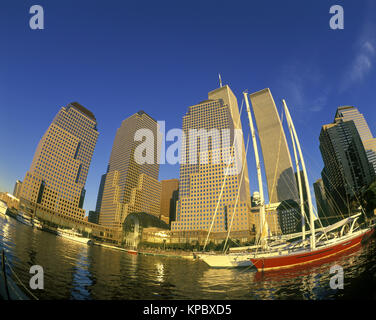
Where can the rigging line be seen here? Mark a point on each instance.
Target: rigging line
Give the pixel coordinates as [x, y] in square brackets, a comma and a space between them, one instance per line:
[224, 181]
[316, 163]
[354, 194]
[237, 197]
[287, 204]
[345, 201]
[19, 280]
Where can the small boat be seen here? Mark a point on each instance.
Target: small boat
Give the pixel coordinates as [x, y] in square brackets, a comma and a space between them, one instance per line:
[3, 208]
[73, 235]
[37, 224]
[131, 251]
[24, 218]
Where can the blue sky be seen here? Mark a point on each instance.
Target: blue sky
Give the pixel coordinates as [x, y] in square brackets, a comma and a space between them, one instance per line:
[118, 57]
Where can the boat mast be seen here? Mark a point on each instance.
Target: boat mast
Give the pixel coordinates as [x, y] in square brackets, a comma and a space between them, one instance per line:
[310, 207]
[259, 176]
[299, 180]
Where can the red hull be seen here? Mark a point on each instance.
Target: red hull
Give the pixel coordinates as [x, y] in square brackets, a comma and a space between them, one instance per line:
[132, 252]
[299, 259]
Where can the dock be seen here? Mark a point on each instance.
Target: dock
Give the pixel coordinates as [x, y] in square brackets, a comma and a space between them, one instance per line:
[146, 253]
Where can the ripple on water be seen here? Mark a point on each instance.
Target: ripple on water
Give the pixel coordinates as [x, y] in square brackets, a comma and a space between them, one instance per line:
[76, 271]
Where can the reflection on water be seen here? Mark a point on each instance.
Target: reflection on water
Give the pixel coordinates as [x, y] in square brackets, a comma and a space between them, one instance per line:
[76, 271]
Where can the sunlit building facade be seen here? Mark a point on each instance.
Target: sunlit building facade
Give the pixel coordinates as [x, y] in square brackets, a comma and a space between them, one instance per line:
[17, 189]
[57, 175]
[346, 166]
[201, 183]
[348, 113]
[276, 155]
[129, 184]
[170, 189]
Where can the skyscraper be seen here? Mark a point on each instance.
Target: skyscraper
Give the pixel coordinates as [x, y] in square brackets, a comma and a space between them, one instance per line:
[17, 189]
[201, 182]
[100, 193]
[348, 113]
[276, 155]
[346, 166]
[130, 185]
[168, 196]
[323, 207]
[58, 172]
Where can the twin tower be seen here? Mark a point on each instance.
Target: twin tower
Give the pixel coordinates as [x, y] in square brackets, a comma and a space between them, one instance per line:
[209, 199]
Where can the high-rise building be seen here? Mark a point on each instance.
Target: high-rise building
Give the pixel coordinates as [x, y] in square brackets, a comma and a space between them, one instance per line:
[201, 182]
[276, 155]
[323, 208]
[304, 192]
[272, 216]
[131, 185]
[58, 172]
[168, 199]
[17, 189]
[93, 217]
[100, 193]
[346, 165]
[348, 113]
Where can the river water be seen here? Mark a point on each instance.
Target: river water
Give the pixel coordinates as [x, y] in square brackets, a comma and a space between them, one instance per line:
[76, 271]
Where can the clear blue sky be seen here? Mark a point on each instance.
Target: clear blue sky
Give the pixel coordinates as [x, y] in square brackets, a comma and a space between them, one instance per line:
[117, 57]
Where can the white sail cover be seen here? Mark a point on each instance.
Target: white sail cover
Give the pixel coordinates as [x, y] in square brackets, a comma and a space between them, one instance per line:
[341, 223]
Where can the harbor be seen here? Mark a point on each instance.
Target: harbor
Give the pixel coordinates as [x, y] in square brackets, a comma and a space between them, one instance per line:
[76, 271]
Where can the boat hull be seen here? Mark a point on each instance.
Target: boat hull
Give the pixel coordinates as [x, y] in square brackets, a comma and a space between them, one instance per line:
[308, 257]
[226, 260]
[76, 239]
[24, 221]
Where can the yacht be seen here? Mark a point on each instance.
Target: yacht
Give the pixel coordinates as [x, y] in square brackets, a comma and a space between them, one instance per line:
[3, 208]
[37, 224]
[73, 235]
[24, 218]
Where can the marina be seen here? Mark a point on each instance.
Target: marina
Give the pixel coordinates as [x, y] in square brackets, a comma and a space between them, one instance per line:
[77, 271]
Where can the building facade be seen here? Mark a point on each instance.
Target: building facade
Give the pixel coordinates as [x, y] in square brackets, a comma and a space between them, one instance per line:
[17, 189]
[346, 165]
[323, 208]
[93, 217]
[130, 184]
[348, 113]
[170, 189]
[100, 193]
[209, 197]
[276, 155]
[57, 175]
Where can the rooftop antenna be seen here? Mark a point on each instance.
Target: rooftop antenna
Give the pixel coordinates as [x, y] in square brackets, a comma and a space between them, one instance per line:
[220, 80]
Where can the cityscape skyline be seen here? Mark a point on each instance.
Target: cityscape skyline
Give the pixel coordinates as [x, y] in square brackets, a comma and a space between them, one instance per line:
[304, 95]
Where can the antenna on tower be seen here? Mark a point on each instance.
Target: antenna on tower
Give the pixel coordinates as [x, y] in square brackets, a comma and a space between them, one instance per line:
[220, 80]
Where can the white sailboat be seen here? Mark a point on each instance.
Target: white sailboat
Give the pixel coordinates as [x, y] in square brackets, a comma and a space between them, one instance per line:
[24, 218]
[73, 235]
[315, 246]
[330, 241]
[37, 224]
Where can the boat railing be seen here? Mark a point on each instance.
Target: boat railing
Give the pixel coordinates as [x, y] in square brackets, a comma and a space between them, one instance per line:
[10, 287]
